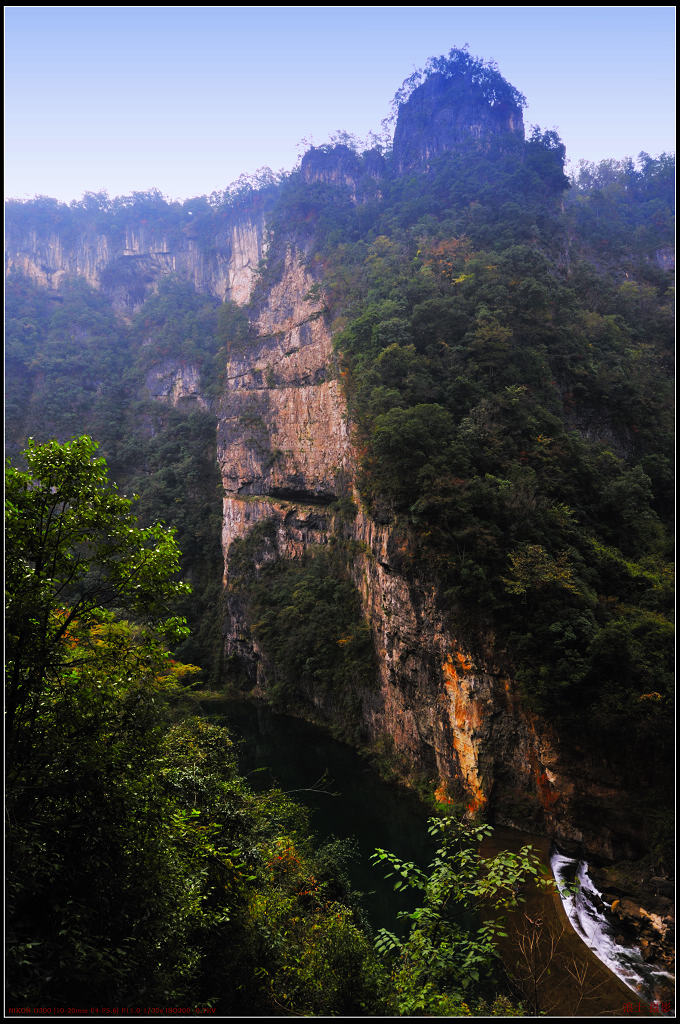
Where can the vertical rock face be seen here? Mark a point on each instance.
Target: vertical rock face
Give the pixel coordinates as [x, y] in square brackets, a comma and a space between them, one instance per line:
[336, 165]
[282, 430]
[444, 113]
[340, 165]
[284, 450]
[282, 439]
[128, 268]
[175, 383]
[459, 720]
[285, 455]
[45, 259]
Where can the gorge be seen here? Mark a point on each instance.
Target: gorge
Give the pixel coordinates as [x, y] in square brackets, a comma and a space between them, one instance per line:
[432, 378]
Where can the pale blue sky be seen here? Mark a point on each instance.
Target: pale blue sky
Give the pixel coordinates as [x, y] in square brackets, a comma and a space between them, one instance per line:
[186, 99]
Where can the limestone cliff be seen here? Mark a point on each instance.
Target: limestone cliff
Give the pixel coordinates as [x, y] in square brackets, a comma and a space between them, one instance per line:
[281, 428]
[340, 165]
[459, 718]
[444, 113]
[285, 453]
[175, 383]
[127, 264]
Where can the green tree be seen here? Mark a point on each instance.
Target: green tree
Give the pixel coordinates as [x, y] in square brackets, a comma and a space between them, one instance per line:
[73, 551]
[136, 856]
[534, 569]
[449, 956]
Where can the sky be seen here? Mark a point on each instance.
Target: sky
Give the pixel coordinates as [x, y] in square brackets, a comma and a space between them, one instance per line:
[186, 99]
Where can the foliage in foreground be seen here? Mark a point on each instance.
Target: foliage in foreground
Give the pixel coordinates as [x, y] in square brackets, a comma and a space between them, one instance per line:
[74, 367]
[74, 554]
[450, 954]
[137, 856]
[142, 869]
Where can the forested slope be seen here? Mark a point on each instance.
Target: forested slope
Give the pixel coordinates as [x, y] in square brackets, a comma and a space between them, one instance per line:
[426, 440]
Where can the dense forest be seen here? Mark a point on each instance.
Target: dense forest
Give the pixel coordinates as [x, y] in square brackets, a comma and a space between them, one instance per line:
[142, 867]
[504, 340]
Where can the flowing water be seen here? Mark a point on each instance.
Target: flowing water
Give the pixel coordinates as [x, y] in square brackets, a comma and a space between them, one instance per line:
[578, 969]
[583, 910]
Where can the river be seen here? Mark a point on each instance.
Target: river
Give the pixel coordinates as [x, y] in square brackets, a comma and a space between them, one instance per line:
[345, 795]
[548, 948]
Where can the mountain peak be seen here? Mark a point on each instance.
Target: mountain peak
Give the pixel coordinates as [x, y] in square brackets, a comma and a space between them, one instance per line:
[457, 100]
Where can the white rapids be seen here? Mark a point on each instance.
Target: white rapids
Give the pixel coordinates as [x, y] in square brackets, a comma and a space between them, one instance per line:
[596, 931]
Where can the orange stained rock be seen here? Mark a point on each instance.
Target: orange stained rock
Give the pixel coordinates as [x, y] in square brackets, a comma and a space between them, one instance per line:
[450, 674]
[441, 796]
[477, 801]
[464, 715]
[451, 671]
[460, 714]
[548, 794]
[464, 663]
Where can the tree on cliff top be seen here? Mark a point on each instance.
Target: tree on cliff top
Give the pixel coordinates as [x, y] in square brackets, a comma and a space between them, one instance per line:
[460, 64]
